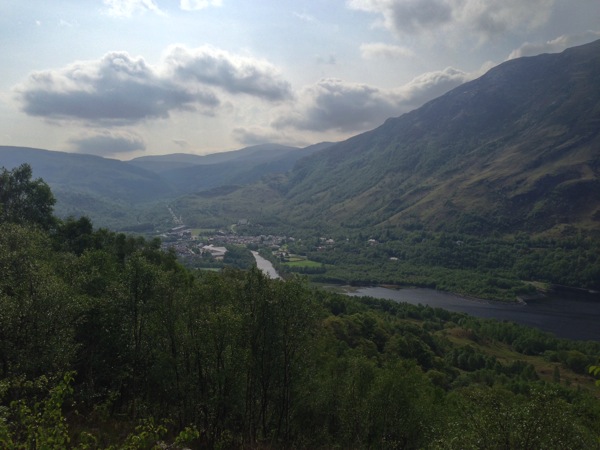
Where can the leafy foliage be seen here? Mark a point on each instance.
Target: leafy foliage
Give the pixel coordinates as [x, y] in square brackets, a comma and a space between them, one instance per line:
[108, 342]
[23, 200]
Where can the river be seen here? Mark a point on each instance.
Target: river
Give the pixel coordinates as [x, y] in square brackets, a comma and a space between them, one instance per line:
[265, 265]
[569, 315]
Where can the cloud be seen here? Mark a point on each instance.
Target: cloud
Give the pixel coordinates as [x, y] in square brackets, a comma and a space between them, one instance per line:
[500, 16]
[120, 89]
[67, 24]
[305, 17]
[196, 5]
[465, 18]
[333, 104]
[329, 60]
[407, 16]
[232, 73]
[107, 143]
[430, 85]
[181, 143]
[116, 89]
[127, 8]
[385, 51]
[554, 46]
[260, 135]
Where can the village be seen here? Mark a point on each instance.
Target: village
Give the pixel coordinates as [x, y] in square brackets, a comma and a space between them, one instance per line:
[193, 245]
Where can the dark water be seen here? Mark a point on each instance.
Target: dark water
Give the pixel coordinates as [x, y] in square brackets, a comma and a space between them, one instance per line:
[566, 314]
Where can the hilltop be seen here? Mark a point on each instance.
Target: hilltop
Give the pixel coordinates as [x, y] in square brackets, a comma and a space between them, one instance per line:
[517, 149]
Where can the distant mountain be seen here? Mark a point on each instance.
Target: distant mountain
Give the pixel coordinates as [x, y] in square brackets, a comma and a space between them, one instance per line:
[118, 194]
[103, 189]
[517, 149]
[162, 163]
[192, 173]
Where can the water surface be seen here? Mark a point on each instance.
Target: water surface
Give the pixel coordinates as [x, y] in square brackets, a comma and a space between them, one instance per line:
[265, 265]
[566, 314]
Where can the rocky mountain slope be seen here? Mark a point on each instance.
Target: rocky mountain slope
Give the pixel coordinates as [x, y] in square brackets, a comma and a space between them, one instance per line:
[517, 149]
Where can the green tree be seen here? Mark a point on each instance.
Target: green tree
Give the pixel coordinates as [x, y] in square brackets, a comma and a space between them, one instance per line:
[74, 235]
[38, 309]
[279, 321]
[495, 418]
[38, 424]
[23, 200]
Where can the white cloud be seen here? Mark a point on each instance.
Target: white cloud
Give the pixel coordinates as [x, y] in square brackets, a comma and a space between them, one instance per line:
[555, 45]
[108, 143]
[256, 135]
[67, 24]
[464, 18]
[196, 5]
[120, 89]
[337, 105]
[305, 17]
[232, 73]
[116, 89]
[385, 51]
[127, 8]
[329, 60]
[430, 85]
[181, 143]
[333, 104]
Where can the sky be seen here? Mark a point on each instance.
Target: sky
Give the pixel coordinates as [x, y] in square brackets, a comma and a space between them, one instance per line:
[129, 78]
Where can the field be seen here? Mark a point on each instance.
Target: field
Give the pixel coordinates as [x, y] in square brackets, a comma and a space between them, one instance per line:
[544, 368]
[300, 262]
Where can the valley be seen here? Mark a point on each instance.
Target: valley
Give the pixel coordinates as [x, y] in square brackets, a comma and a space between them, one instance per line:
[427, 293]
[491, 190]
[321, 225]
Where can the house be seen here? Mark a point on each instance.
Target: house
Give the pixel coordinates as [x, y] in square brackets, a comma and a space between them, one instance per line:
[216, 252]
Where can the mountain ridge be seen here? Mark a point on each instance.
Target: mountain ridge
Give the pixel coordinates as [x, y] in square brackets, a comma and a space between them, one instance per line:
[521, 136]
[514, 150]
[115, 193]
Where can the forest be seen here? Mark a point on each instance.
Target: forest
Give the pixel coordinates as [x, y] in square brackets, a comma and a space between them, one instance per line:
[107, 342]
[493, 267]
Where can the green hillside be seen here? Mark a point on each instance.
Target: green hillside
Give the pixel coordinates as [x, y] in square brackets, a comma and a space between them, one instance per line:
[103, 177]
[486, 190]
[517, 149]
[108, 342]
[132, 195]
[110, 192]
[193, 173]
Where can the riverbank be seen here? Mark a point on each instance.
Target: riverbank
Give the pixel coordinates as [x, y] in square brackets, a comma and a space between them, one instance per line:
[567, 315]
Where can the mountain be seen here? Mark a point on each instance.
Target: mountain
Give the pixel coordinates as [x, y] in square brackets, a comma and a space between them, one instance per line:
[106, 190]
[517, 149]
[192, 173]
[119, 194]
[255, 152]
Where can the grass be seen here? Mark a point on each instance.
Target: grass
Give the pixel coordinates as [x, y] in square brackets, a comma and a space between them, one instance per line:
[504, 354]
[302, 263]
[202, 231]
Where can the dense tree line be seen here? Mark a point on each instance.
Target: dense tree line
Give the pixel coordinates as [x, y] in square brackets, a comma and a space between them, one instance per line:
[487, 267]
[108, 342]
